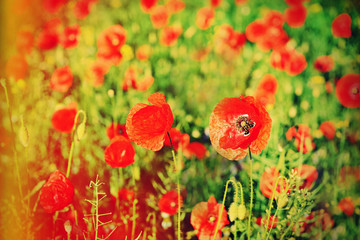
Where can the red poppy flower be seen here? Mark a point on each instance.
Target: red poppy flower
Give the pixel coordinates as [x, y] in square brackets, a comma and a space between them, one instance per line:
[147, 125]
[143, 52]
[82, 8]
[324, 63]
[255, 30]
[24, 42]
[297, 63]
[52, 6]
[116, 130]
[240, 2]
[308, 174]
[205, 17]
[168, 203]
[204, 217]
[280, 58]
[341, 26]
[175, 6]
[145, 83]
[159, 16]
[56, 193]
[126, 195]
[147, 5]
[347, 206]
[109, 43]
[169, 35]
[16, 67]
[302, 133]
[275, 19]
[69, 38]
[215, 3]
[62, 79]
[195, 149]
[268, 83]
[63, 119]
[268, 180]
[329, 87]
[272, 221]
[328, 129]
[97, 72]
[120, 152]
[295, 15]
[237, 123]
[348, 90]
[47, 39]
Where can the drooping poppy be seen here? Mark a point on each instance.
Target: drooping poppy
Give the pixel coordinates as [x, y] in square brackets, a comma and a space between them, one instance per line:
[116, 130]
[24, 42]
[263, 221]
[308, 175]
[204, 218]
[147, 5]
[109, 44]
[348, 90]
[205, 17]
[62, 79]
[53, 6]
[169, 35]
[328, 129]
[196, 149]
[168, 203]
[175, 6]
[347, 206]
[97, 72]
[120, 152]
[341, 26]
[268, 180]
[143, 52]
[16, 67]
[324, 63]
[69, 38]
[295, 15]
[301, 134]
[239, 123]
[56, 193]
[147, 125]
[159, 16]
[63, 119]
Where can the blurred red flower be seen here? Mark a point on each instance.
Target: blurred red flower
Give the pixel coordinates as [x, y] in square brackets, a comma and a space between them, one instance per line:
[255, 30]
[308, 175]
[272, 221]
[120, 152]
[239, 123]
[126, 195]
[341, 26]
[347, 206]
[53, 6]
[48, 38]
[168, 203]
[215, 3]
[294, 2]
[116, 130]
[328, 129]
[176, 138]
[63, 119]
[159, 16]
[195, 149]
[204, 217]
[62, 79]
[97, 72]
[82, 8]
[145, 84]
[323, 220]
[205, 17]
[349, 174]
[268, 83]
[16, 67]
[295, 15]
[129, 79]
[69, 38]
[109, 43]
[143, 52]
[147, 125]
[175, 6]
[240, 2]
[301, 133]
[265, 98]
[228, 42]
[24, 42]
[169, 35]
[268, 180]
[56, 193]
[329, 87]
[147, 5]
[289, 60]
[133, 80]
[324, 63]
[348, 90]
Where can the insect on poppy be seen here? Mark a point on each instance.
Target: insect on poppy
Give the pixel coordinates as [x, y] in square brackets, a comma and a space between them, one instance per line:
[168, 203]
[237, 124]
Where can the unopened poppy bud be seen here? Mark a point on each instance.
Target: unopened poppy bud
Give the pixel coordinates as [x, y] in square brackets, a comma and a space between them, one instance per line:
[282, 200]
[24, 134]
[80, 131]
[241, 211]
[233, 212]
[67, 226]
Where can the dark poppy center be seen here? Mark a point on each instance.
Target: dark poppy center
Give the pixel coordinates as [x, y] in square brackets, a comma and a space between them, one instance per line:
[243, 124]
[355, 90]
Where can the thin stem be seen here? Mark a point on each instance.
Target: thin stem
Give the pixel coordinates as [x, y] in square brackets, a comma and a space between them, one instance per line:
[271, 201]
[272, 223]
[251, 194]
[70, 158]
[133, 207]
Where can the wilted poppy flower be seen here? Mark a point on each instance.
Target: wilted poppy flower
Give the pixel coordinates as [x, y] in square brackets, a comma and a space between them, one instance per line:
[168, 203]
[24, 42]
[301, 133]
[204, 217]
[341, 26]
[120, 152]
[52, 6]
[328, 129]
[174, 6]
[169, 35]
[16, 67]
[97, 72]
[195, 149]
[308, 175]
[348, 90]
[295, 15]
[347, 206]
[69, 38]
[63, 119]
[147, 5]
[272, 221]
[268, 83]
[239, 123]
[205, 17]
[116, 130]
[147, 125]
[159, 16]
[143, 52]
[126, 195]
[324, 63]
[62, 79]
[109, 43]
[56, 193]
[268, 180]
